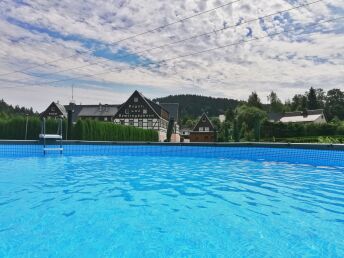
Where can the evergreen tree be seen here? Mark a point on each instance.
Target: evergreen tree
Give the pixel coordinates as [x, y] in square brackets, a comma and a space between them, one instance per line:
[254, 100]
[334, 106]
[276, 104]
[312, 102]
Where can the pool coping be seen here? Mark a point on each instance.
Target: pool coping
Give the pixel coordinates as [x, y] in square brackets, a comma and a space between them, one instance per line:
[213, 144]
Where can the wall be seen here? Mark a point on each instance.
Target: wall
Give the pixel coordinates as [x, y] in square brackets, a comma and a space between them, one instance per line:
[202, 136]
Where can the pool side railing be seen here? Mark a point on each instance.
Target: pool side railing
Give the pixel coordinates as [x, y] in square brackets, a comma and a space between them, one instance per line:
[314, 146]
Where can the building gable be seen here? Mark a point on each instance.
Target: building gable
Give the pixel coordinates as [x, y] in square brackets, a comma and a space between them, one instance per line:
[137, 107]
[204, 125]
[54, 110]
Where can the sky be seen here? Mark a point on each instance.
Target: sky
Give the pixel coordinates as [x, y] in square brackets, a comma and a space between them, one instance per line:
[46, 47]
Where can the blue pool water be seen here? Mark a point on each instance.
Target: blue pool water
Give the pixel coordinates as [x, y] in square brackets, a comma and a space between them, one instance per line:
[165, 206]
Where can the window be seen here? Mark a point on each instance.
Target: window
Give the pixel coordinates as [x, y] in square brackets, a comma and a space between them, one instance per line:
[105, 118]
[122, 122]
[200, 129]
[126, 111]
[150, 123]
[131, 122]
[53, 109]
[136, 99]
[206, 129]
[140, 123]
[204, 119]
[144, 111]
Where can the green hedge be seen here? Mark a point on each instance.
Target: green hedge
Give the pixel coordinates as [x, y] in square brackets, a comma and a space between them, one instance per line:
[90, 130]
[102, 131]
[311, 139]
[14, 128]
[280, 130]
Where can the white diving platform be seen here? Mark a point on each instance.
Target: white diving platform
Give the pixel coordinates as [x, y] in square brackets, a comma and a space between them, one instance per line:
[50, 136]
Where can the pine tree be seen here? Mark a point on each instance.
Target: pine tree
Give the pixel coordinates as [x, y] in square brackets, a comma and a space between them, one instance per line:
[312, 102]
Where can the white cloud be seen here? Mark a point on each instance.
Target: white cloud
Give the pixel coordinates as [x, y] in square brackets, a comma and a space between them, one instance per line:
[281, 63]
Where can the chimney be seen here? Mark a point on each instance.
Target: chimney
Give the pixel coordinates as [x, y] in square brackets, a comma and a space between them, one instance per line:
[100, 107]
[305, 113]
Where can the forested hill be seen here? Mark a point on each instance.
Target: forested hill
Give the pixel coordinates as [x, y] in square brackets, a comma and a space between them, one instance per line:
[9, 110]
[195, 105]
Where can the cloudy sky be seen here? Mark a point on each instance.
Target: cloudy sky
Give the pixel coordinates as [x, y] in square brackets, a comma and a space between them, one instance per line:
[48, 46]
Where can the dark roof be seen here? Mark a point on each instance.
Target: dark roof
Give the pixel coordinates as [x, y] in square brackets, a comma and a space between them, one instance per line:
[98, 110]
[92, 110]
[172, 109]
[205, 123]
[300, 113]
[62, 109]
[272, 116]
[157, 107]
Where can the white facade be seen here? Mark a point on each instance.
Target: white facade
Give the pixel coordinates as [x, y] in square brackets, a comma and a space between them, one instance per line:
[222, 118]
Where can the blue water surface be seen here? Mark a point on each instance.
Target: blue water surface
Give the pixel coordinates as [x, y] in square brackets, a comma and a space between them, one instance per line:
[142, 206]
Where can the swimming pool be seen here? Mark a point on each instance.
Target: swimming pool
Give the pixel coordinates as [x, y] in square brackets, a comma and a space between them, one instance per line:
[156, 203]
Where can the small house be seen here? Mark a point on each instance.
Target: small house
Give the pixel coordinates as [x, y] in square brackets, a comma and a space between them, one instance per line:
[204, 131]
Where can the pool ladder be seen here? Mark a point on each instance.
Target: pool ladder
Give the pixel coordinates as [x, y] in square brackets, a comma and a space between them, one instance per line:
[57, 138]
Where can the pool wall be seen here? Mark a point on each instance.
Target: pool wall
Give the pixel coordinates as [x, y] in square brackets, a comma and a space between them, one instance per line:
[314, 154]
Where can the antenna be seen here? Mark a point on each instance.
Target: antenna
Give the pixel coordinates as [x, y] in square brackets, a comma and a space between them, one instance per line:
[72, 101]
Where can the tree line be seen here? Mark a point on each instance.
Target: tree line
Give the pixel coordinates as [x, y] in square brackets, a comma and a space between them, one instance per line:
[9, 110]
[249, 120]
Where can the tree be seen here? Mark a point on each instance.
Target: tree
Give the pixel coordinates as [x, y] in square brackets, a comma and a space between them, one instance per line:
[216, 123]
[254, 100]
[236, 131]
[299, 102]
[276, 104]
[312, 102]
[229, 114]
[321, 97]
[334, 106]
[257, 127]
[250, 120]
[249, 115]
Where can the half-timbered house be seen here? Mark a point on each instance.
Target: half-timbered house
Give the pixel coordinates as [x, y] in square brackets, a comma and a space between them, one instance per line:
[140, 111]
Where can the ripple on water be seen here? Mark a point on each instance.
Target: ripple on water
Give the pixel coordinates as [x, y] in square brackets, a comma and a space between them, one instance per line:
[169, 207]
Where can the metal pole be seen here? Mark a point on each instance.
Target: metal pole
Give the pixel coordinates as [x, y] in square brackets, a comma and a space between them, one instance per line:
[27, 121]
